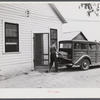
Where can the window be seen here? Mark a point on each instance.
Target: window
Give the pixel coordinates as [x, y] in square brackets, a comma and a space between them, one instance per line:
[98, 47]
[66, 45]
[11, 37]
[92, 47]
[80, 46]
[53, 35]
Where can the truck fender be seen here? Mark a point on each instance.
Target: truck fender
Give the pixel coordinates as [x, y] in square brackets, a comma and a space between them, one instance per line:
[79, 61]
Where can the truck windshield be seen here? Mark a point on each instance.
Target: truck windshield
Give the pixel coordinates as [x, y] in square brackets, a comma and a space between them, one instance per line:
[65, 45]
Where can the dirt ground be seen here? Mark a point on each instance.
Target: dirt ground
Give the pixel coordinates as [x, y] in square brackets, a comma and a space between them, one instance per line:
[73, 78]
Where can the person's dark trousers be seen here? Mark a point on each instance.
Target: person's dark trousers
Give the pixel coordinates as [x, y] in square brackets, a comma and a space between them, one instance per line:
[53, 59]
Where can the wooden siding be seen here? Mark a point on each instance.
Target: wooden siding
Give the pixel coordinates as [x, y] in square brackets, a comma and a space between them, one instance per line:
[78, 54]
[92, 54]
[41, 19]
[98, 56]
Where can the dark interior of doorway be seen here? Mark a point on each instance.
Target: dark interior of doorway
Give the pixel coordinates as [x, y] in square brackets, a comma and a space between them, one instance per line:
[41, 58]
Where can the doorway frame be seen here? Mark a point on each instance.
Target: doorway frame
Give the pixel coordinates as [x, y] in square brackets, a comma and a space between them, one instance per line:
[43, 44]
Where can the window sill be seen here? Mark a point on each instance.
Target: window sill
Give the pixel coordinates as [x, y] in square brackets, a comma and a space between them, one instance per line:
[11, 53]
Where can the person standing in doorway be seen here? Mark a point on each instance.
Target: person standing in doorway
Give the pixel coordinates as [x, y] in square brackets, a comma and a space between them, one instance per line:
[53, 57]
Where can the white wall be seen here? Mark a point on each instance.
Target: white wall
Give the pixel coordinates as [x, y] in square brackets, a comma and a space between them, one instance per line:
[41, 19]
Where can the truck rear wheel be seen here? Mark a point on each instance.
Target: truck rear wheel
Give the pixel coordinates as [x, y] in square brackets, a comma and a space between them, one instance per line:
[85, 64]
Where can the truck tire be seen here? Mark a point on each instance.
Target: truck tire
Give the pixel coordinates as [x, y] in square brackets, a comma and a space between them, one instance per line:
[85, 64]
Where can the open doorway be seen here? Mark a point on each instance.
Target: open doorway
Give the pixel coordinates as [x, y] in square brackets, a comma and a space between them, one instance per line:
[41, 50]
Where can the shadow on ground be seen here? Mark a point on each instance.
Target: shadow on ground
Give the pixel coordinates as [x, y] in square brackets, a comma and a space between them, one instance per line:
[77, 69]
[94, 67]
[65, 69]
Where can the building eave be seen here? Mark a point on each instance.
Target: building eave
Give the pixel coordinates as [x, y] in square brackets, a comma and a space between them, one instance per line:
[57, 13]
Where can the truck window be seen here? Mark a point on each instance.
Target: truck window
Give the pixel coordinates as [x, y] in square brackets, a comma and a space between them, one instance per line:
[92, 47]
[80, 46]
[66, 45]
[98, 47]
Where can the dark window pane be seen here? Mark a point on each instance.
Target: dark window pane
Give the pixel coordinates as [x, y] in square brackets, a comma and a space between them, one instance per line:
[98, 47]
[92, 47]
[80, 46]
[11, 26]
[11, 33]
[83, 46]
[11, 48]
[53, 35]
[11, 37]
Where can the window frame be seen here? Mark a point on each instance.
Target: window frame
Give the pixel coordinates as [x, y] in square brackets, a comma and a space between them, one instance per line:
[98, 47]
[92, 49]
[69, 43]
[80, 46]
[53, 39]
[4, 37]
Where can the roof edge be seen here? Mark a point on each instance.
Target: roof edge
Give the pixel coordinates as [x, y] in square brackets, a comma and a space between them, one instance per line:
[57, 13]
[83, 35]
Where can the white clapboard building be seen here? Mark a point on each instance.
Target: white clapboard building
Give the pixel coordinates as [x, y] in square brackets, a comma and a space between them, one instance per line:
[26, 31]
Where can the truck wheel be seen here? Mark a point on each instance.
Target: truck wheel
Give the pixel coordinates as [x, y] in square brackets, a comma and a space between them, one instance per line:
[85, 64]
